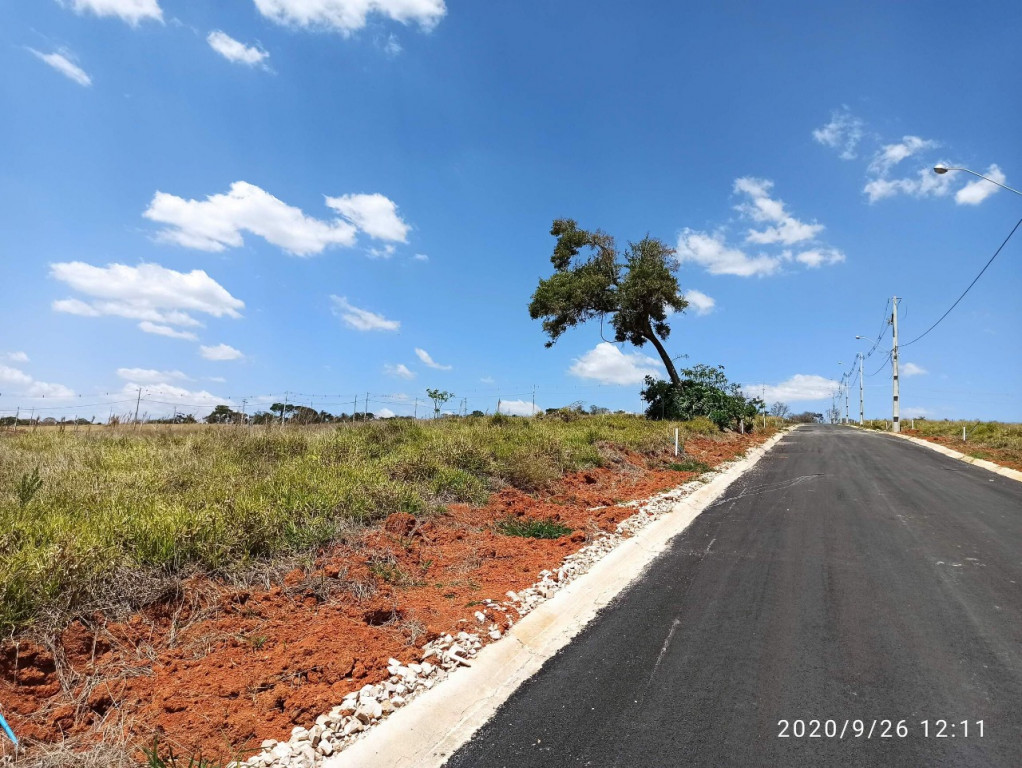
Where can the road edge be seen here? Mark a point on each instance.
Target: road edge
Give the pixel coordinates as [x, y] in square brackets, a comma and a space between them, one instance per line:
[1012, 474]
[433, 726]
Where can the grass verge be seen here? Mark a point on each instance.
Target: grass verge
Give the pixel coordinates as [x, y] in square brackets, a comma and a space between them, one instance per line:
[101, 519]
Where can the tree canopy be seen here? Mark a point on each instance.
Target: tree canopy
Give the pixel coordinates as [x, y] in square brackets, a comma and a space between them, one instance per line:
[634, 289]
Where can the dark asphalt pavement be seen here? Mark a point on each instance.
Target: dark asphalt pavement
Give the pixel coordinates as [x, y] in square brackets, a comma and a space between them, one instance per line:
[847, 576]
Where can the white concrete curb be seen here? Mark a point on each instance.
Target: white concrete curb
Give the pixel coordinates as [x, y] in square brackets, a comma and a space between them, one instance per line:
[429, 729]
[1008, 472]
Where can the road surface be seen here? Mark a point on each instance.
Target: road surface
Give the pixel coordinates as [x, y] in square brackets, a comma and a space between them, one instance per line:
[849, 578]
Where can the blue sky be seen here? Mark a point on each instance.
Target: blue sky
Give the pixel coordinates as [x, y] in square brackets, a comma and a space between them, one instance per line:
[218, 202]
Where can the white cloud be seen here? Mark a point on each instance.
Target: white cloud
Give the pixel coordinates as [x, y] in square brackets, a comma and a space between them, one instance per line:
[150, 375]
[423, 355]
[711, 252]
[393, 46]
[64, 65]
[23, 384]
[817, 257]
[911, 369]
[699, 301]
[975, 192]
[400, 370]
[157, 296]
[488, 380]
[385, 413]
[217, 222]
[843, 132]
[420, 257]
[162, 399]
[131, 11]
[609, 365]
[16, 357]
[234, 50]
[925, 184]
[361, 319]
[518, 408]
[786, 228]
[914, 413]
[165, 330]
[798, 388]
[381, 253]
[890, 155]
[374, 214]
[347, 16]
[220, 352]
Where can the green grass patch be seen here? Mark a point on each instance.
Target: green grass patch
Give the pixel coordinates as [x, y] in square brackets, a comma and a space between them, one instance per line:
[530, 528]
[85, 515]
[689, 465]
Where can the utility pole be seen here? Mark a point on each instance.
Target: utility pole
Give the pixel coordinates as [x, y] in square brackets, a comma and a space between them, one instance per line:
[416, 413]
[896, 416]
[366, 416]
[533, 400]
[17, 415]
[283, 410]
[846, 402]
[244, 402]
[354, 409]
[860, 389]
[137, 401]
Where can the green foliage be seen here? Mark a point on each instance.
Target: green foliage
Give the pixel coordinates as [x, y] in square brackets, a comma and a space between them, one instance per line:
[439, 397]
[689, 465]
[635, 295]
[703, 391]
[28, 485]
[223, 414]
[530, 528]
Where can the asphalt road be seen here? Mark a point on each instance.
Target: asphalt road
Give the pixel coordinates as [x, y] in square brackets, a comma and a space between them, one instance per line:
[847, 576]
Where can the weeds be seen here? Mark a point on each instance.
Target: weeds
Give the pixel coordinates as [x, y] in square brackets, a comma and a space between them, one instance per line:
[29, 484]
[532, 529]
[689, 465]
[87, 519]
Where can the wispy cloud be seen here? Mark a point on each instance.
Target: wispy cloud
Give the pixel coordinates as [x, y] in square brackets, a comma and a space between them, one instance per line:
[220, 352]
[975, 192]
[911, 369]
[361, 319]
[61, 62]
[763, 208]
[843, 133]
[710, 251]
[131, 11]
[518, 408]
[423, 355]
[400, 370]
[235, 51]
[699, 301]
[347, 16]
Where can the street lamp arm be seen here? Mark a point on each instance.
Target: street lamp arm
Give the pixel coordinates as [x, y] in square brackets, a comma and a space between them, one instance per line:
[945, 169]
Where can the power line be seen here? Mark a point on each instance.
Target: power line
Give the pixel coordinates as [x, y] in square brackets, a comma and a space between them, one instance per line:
[975, 279]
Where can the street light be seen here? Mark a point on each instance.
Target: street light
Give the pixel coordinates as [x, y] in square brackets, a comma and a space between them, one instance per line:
[942, 169]
[860, 338]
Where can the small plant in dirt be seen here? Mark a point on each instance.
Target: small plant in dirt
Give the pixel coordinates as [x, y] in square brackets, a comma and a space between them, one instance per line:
[689, 465]
[386, 569]
[530, 528]
[156, 759]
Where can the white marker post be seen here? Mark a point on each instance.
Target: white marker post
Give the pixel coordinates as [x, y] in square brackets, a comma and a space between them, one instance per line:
[675, 441]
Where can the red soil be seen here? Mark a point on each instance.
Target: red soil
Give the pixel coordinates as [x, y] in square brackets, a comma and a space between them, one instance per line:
[998, 456]
[220, 670]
